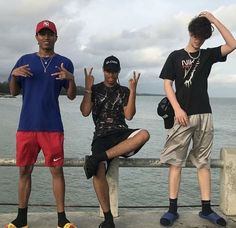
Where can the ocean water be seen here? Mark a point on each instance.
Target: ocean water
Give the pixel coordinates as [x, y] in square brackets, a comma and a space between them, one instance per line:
[137, 186]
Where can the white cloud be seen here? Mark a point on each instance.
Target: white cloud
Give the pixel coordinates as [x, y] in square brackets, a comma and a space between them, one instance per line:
[140, 33]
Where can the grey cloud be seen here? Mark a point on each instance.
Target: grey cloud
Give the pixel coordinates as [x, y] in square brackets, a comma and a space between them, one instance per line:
[142, 48]
[87, 42]
[18, 27]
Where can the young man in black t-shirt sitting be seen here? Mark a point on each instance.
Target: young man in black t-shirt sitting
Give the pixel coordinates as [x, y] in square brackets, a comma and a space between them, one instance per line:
[110, 104]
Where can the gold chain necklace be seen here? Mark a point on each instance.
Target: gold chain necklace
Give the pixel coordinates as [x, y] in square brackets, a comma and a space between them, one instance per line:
[47, 63]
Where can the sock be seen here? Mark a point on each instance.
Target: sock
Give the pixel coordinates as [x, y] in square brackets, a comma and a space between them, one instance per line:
[172, 209]
[21, 219]
[62, 220]
[206, 210]
[206, 207]
[108, 216]
[173, 206]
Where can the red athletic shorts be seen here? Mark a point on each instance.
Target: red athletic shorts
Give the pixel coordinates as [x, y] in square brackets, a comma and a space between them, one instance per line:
[29, 144]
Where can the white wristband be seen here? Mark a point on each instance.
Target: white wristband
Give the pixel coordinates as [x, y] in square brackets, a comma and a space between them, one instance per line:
[87, 91]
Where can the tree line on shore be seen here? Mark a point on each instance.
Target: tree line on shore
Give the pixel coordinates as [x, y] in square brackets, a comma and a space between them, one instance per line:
[4, 89]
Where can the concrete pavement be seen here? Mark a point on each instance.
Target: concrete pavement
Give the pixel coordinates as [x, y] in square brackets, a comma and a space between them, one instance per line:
[129, 218]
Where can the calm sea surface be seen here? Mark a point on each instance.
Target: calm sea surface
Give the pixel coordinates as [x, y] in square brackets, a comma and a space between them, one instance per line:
[138, 186]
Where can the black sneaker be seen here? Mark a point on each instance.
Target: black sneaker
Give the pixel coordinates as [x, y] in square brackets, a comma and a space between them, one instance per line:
[107, 224]
[90, 166]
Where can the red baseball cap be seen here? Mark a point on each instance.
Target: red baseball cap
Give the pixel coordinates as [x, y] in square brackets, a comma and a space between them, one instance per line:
[46, 24]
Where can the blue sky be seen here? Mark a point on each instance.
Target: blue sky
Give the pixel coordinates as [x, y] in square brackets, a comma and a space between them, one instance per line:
[140, 33]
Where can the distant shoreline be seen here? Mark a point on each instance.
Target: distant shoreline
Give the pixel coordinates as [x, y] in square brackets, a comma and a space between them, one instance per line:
[5, 95]
[150, 94]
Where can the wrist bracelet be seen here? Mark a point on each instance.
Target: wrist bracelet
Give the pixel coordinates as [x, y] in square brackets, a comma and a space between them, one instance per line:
[87, 91]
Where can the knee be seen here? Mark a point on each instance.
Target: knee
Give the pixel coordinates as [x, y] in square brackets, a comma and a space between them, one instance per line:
[203, 168]
[101, 172]
[145, 135]
[26, 171]
[175, 169]
[56, 172]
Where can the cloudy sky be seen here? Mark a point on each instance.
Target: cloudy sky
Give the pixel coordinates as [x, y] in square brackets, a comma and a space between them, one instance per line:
[140, 33]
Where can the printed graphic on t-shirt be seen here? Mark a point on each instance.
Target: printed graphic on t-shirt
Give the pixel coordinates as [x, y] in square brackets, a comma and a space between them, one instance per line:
[189, 66]
[108, 109]
[191, 82]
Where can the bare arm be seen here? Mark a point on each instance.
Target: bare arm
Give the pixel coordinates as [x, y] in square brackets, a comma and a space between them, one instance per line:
[130, 108]
[64, 74]
[86, 104]
[22, 71]
[14, 88]
[180, 115]
[72, 90]
[230, 42]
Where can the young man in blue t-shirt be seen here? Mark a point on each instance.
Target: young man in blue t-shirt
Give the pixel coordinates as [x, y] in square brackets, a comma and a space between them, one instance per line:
[40, 77]
[189, 68]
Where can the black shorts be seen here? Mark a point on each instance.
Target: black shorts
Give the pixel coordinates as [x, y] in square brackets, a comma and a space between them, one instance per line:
[104, 143]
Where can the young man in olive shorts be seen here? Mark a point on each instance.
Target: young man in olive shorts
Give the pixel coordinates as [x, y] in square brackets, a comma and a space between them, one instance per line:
[110, 104]
[189, 68]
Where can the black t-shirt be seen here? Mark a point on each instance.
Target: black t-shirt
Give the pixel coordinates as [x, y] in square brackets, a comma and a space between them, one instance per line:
[190, 76]
[108, 108]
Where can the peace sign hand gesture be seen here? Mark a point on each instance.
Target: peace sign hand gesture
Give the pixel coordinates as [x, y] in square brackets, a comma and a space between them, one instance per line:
[134, 81]
[89, 79]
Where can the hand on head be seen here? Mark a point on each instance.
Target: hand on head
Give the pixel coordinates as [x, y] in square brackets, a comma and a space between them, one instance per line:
[207, 15]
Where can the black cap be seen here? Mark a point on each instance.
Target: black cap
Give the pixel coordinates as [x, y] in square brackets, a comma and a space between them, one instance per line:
[166, 111]
[111, 64]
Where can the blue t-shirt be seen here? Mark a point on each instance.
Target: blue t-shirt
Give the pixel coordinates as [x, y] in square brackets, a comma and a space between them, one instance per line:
[40, 108]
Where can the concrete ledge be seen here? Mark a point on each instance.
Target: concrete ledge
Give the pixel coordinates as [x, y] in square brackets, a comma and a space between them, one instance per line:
[228, 182]
[129, 218]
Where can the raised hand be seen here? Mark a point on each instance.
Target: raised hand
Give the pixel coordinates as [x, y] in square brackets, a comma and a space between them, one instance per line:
[134, 81]
[63, 73]
[208, 15]
[22, 71]
[89, 79]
